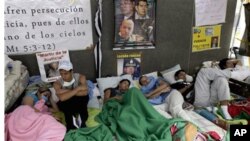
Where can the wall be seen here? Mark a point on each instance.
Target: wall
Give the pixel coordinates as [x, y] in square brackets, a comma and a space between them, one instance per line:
[174, 21]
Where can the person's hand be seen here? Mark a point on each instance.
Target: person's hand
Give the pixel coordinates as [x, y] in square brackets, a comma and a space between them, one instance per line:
[80, 88]
[167, 89]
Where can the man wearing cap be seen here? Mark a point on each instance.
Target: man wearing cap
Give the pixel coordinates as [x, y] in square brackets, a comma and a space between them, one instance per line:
[72, 92]
[131, 66]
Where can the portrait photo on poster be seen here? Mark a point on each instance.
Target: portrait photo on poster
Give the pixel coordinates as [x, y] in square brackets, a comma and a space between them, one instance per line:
[214, 42]
[134, 24]
[129, 63]
[48, 63]
[51, 69]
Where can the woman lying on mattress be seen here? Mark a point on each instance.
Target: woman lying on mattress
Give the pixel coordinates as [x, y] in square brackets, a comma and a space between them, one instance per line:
[117, 92]
[158, 91]
[31, 121]
[40, 100]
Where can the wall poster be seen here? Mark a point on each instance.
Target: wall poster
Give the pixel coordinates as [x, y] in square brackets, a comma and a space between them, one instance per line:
[48, 63]
[129, 63]
[210, 12]
[46, 25]
[206, 38]
[134, 24]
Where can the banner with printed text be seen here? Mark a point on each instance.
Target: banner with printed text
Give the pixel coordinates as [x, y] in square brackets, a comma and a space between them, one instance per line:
[206, 38]
[48, 63]
[134, 24]
[129, 63]
[46, 25]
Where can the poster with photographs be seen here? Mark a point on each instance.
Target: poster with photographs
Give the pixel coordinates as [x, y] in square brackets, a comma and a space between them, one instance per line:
[48, 63]
[206, 38]
[129, 63]
[134, 24]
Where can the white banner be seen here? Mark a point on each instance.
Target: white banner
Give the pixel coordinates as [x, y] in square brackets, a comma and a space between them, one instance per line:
[210, 12]
[48, 63]
[47, 25]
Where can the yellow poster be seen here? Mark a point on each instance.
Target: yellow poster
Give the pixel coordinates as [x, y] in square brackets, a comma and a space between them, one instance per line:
[206, 37]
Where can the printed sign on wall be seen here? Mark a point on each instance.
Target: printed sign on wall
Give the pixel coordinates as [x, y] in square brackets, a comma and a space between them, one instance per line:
[48, 63]
[47, 25]
[129, 63]
[206, 37]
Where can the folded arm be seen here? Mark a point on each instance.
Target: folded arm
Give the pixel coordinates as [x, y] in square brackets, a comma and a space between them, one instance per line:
[65, 94]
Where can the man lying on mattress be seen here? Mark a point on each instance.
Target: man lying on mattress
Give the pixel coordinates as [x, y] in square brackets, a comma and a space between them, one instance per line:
[158, 91]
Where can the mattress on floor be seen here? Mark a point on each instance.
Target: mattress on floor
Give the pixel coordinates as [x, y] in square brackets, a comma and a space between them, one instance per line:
[15, 83]
[204, 124]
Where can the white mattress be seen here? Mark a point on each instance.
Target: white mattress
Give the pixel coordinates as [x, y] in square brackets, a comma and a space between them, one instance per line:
[204, 124]
[15, 83]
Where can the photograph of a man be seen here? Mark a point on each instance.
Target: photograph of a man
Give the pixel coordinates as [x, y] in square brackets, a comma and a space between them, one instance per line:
[214, 42]
[126, 32]
[125, 11]
[131, 66]
[141, 8]
[134, 24]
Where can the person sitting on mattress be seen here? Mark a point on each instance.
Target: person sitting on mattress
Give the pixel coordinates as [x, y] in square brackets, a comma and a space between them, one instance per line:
[117, 92]
[72, 91]
[158, 91]
[211, 87]
[40, 100]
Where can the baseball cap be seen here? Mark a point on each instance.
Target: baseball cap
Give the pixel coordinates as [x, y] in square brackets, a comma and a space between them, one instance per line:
[65, 65]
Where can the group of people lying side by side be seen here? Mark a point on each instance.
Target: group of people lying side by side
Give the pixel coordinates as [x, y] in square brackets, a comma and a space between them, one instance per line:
[73, 90]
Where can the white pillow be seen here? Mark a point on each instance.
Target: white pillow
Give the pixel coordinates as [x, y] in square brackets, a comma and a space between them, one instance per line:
[154, 74]
[93, 102]
[112, 82]
[210, 64]
[168, 74]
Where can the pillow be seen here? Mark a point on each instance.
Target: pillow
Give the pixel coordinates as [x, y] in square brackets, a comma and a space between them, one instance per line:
[154, 74]
[112, 82]
[210, 64]
[168, 74]
[94, 102]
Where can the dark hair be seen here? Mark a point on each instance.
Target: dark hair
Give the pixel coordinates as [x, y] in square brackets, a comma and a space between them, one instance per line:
[223, 63]
[137, 2]
[178, 72]
[123, 80]
[43, 89]
[140, 79]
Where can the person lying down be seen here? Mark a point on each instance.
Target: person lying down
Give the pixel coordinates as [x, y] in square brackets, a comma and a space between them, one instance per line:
[158, 91]
[40, 100]
[31, 121]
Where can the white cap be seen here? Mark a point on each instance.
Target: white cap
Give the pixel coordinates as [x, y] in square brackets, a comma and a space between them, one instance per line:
[65, 65]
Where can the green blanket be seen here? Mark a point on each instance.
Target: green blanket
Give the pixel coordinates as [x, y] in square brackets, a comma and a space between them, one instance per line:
[134, 119]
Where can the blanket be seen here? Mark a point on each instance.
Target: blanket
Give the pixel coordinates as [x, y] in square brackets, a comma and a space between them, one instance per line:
[134, 119]
[24, 124]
